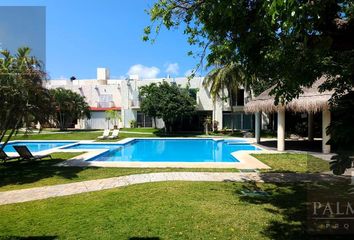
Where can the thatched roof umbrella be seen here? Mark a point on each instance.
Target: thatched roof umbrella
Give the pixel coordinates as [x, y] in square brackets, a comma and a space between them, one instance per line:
[311, 100]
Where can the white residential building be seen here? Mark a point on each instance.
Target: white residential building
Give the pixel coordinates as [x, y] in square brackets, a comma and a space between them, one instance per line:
[122, 95]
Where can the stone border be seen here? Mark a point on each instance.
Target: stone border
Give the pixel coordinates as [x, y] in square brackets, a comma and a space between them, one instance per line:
[246, 161]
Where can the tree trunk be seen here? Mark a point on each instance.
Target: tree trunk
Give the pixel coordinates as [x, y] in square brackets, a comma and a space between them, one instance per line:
[11, 133]
[61, 121]
[154, 119]
[3, 133]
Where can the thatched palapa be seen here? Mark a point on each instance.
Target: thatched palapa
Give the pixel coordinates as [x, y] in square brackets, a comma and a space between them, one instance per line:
[311, 100]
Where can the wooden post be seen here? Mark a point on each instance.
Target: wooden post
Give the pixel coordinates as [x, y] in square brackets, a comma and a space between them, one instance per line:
[326, 120]
[281, 129]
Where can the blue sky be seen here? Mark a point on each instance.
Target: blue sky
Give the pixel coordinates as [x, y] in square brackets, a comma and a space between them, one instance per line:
[83, 35]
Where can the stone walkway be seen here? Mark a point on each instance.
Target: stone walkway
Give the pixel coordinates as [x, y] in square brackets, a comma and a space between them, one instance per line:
[25, 195]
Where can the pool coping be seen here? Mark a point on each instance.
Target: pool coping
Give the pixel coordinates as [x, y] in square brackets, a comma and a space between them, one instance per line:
[244, 157]
[246, 161]
[43, 152]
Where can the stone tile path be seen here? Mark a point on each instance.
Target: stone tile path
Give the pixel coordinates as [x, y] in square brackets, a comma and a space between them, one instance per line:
[25, 195]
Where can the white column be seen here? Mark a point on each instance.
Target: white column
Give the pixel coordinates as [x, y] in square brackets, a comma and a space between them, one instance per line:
[326, 120]
[310, 126]
[257, 128]
[281, 129]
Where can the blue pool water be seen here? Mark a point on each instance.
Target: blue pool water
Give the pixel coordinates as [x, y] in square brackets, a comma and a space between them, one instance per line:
[36, 146]
[174, 150]
[94, 146]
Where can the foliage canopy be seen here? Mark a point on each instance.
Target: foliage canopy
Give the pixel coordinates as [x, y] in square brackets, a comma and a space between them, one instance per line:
[288, 43]
[69, 106]
[167, 101]
[23, 99]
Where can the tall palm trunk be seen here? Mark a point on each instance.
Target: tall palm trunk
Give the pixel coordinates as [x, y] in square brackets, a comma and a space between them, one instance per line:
[11, 133]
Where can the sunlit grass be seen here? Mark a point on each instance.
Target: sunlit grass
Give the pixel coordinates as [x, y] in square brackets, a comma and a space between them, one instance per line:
[165, 210]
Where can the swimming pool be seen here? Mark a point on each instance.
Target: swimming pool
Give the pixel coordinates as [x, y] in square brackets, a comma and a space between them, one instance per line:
[36, 146]
[85, 146]
[172, 150]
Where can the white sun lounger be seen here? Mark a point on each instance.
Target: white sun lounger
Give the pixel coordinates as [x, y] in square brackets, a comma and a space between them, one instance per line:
[105, 134]
[115, 134]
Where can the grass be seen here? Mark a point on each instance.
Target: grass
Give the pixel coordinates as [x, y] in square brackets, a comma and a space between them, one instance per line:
[128, 133]
[19, 175]
[165, 210]
[144, 130]
[76, 135]
[290, 162]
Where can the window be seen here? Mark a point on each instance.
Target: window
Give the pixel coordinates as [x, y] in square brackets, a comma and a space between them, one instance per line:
[105, 100]
[143, 120]
[193, 93]
[240, 97]
[238, 120]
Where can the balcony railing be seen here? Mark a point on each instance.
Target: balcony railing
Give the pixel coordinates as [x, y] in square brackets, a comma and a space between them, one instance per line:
[105, 104]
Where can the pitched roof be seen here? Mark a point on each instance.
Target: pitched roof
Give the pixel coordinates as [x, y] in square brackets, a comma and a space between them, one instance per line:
[311, 100]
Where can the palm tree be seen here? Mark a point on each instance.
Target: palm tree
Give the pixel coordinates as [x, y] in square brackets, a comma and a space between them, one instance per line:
[23, 99]
[229, 77]
[69, 106]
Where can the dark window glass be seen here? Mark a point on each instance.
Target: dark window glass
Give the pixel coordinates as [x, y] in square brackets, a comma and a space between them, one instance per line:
[143, 120]
[240, 97]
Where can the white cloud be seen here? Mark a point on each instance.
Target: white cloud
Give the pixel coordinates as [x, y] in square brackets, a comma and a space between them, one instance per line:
[143, 71]
[172, 68]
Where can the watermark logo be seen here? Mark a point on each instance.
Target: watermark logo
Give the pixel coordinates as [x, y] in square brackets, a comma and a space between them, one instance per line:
[330, 207]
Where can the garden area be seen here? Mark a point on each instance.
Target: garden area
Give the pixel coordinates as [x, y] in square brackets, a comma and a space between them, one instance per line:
[162, 210]
[155, 210]
[185, 159]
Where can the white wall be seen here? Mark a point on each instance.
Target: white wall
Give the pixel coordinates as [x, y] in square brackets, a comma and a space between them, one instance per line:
[126, 96]
[97, 121]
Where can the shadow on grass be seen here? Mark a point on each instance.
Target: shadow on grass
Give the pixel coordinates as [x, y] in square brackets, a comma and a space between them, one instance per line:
[24, 172]
[27, 238]
[289, 206]
[297, 145]
[289, 201]
[162, 133]
[144, 238]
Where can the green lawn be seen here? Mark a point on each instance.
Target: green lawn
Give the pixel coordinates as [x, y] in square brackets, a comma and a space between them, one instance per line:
[19, 175]
[145, 130]
[165, 210]
[290, 162]
[128, 132]
[75, 135]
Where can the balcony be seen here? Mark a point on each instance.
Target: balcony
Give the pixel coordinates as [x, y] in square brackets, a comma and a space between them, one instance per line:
[108, 104]
[134, 104]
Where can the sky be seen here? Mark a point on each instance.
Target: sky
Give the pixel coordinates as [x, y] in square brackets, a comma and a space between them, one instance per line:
[83, 35]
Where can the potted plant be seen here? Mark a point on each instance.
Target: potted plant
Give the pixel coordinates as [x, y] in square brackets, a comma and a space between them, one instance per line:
[132, 123]
[207, 124]
[114, 116]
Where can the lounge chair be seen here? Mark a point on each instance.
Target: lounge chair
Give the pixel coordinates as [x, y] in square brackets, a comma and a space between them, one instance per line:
[25, 153]
[115, 134]
[4, 157]
[105, 134]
